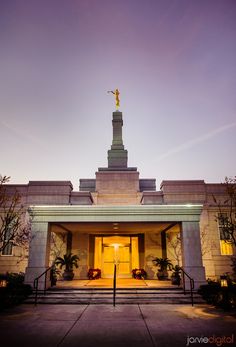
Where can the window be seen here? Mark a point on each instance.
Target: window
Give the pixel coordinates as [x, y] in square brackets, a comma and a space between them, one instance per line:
[7, 250]
[7, 245]
[226, 247]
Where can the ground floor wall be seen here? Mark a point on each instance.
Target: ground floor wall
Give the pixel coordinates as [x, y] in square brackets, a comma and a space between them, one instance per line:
[216, 260]
[162, 231]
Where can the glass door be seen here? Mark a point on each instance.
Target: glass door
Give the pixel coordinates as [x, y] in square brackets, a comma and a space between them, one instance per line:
[118, 253]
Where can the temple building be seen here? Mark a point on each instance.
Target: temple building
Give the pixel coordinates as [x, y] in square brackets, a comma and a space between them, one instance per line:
[118, 217]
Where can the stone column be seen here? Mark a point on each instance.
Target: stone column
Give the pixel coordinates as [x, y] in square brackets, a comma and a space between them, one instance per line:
[38, 254]
[191, 253]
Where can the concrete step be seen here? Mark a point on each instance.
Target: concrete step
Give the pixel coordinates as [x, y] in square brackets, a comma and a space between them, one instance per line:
[123, 296]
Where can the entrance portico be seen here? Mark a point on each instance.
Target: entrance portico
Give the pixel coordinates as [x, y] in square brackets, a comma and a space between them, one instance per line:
[115, 233]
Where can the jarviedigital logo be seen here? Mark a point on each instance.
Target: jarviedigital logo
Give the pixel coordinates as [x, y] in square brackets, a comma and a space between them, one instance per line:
[213, 339]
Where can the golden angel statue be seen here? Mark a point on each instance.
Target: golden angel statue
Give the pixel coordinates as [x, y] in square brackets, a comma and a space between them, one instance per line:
[116, 93]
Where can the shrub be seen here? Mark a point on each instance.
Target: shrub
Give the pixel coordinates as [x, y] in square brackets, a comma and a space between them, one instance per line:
[210, 292]
[214, 294]
[15, 290]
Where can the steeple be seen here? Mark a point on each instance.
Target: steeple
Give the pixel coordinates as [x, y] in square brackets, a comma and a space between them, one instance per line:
[117, 155]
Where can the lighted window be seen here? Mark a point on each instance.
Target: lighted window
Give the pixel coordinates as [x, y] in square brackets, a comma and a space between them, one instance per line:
[226, 246]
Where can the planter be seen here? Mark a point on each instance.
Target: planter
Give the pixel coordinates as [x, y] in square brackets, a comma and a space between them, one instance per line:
[164, 265]
[53, 275]
[175, 277]
[53, 281]
[175, 280]
[162, 275]
[68, 275]
[68, 261]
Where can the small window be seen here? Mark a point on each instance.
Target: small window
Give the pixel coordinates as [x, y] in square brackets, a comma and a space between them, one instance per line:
[7, 245]
[7, 250]
[226, 246]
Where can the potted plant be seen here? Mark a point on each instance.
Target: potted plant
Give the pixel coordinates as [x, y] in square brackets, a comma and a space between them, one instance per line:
[94, 274]
[139, 274]
[164, 265]
[69, 261]
[175, 277]
[54, 272]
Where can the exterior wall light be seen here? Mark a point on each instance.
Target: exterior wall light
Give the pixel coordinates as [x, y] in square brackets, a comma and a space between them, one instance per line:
[3, 283]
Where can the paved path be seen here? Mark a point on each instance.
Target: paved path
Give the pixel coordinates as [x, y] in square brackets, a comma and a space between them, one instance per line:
[108, 282]
[106, 326]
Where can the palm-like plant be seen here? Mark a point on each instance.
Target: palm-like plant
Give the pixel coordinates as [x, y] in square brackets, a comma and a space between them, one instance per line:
[164, 264]
[69, 261]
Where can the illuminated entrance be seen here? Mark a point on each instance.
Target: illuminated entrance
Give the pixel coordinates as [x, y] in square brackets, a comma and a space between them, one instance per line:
[120, 250]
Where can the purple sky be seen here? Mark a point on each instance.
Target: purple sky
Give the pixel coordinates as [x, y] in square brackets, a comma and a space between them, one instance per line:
[174, 62]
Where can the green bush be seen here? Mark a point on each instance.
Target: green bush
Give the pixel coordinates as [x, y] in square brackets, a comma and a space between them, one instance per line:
[214, 294]
[15, 291]
[210, 292]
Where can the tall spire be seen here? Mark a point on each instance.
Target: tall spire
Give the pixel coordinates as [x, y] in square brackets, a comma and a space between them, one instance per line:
[117, 155]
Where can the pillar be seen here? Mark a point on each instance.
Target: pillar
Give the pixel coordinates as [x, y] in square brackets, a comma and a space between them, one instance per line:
[163, 244]
[39, 250]
[191, 253]
[69, 242]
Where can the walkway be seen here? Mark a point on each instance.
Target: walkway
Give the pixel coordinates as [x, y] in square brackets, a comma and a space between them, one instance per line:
[108, 283]
[106, 326]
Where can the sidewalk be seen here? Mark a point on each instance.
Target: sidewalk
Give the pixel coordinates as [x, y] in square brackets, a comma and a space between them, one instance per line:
[108, 326]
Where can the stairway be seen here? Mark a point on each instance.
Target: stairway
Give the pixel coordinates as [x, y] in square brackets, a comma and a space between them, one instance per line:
[165, 295]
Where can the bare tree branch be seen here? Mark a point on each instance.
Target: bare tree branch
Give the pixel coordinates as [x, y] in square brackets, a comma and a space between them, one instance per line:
[14, 227]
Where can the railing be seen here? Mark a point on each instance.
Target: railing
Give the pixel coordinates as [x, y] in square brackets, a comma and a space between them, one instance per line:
[191, 282]
[114, 286]
[36, 283]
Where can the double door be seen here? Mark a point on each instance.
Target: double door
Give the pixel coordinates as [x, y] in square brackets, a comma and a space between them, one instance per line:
[119, 255]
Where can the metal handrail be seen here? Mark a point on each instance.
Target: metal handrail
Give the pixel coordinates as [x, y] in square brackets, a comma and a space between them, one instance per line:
[114, 286]
[191, 281]
[36, 283]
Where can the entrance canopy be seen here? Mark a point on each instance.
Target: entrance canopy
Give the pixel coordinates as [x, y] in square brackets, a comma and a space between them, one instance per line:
[92, 225]
[143, 213]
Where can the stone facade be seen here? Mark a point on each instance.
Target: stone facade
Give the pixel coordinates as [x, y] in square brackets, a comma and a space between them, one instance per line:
[178, 221]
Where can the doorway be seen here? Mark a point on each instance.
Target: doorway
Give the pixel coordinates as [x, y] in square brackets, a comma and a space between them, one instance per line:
[119, 250]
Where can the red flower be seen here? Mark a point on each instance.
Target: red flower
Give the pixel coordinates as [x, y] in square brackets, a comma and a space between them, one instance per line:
[94, 274]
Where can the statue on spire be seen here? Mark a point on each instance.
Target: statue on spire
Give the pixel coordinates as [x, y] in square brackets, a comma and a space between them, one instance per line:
[116, 93]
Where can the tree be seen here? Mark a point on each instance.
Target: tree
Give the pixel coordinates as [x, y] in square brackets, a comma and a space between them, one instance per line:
[227, 212]
[58, 245]
[174, 242]
[14, 228]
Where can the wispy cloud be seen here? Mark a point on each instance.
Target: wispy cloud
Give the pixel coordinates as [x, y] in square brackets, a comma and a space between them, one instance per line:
[22, 134]
[197, 140]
